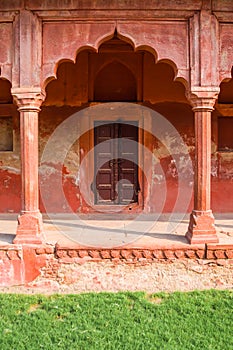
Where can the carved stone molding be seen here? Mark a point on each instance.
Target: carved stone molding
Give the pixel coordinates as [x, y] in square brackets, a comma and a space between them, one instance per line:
[141, 256]
[203, 98]
[28, 99]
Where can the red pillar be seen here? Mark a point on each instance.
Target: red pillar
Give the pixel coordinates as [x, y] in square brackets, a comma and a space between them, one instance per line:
[30, 227]
[201, 225]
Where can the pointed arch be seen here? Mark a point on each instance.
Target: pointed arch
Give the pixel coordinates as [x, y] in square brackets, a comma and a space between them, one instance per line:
[178, 75]
[115, 82]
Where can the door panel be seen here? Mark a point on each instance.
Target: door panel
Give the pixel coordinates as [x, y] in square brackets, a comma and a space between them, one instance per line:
[104, 178]
[128, 168]
[116, 169]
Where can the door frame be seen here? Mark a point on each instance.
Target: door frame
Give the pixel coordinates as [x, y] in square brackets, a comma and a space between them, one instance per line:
[143, 117]
[113, 116]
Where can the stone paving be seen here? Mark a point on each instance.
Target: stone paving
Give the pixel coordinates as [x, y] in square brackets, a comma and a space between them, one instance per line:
[165, 231]
[111, 255]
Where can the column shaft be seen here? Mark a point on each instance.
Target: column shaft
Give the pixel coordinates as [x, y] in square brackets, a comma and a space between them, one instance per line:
[202, 160]
[30, 227]
[201, 225]
[29, 160]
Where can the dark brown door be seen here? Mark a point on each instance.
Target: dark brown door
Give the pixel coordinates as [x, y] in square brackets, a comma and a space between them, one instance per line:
[116, 159]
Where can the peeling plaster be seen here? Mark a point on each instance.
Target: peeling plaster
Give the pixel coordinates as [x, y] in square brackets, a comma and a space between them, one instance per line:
[10, 169]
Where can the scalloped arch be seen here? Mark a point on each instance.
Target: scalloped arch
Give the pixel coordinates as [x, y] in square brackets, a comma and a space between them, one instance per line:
[6, 73]
[128, 39]
[225, 94]
[5, 79]
[227, 78]
[63, 60]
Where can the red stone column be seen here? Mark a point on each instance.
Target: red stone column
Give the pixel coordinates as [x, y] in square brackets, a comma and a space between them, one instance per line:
[201, 226]
[30, 228]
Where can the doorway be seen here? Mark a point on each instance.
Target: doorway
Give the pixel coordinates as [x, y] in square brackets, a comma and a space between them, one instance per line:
[116, 163]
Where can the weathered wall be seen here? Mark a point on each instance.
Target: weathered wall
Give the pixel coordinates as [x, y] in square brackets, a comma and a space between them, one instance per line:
[6, 32]
[180, 34]
[10, 183]
[226, 44]
[49, 172]
[178, 114]
[181, 117]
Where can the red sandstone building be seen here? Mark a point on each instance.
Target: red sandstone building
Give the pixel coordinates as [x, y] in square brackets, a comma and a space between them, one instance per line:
[58, 58]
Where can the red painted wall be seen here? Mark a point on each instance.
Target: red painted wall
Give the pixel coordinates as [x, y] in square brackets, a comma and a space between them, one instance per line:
[222, 177]
[70, 93]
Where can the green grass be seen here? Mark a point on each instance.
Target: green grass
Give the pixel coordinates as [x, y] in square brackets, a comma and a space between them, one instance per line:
[195, 320]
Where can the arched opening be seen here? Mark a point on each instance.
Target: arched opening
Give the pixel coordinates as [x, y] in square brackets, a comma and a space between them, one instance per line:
[6, 120]
[117, 69]
[10, 185]
[116, 73]
[222, 149]
[226, 91]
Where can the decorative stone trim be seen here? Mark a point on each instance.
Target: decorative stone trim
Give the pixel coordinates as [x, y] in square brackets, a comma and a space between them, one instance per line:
[211, 252]
[16, 253]
[21, 265]
[44, 250]
[222, 251]
[128, 255]
[28, 99]
[203, 98]
[7, 253]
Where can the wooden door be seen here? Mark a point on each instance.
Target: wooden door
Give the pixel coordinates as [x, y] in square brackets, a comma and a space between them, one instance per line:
[116, 163]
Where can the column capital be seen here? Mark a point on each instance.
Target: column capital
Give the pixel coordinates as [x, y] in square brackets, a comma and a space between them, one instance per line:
[28, 99]
[203, 98]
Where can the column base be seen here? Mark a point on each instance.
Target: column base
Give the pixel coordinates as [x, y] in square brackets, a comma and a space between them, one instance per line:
[201, 228]
[30, 229]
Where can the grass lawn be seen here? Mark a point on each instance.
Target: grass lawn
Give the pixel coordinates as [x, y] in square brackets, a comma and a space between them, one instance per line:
[194, 320]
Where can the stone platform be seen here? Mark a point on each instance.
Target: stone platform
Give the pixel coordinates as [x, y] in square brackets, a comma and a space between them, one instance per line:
[72, 240]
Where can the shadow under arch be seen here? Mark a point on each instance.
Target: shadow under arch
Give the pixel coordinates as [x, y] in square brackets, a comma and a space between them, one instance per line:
[226, 90]
[115, 82]
[5, 91]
